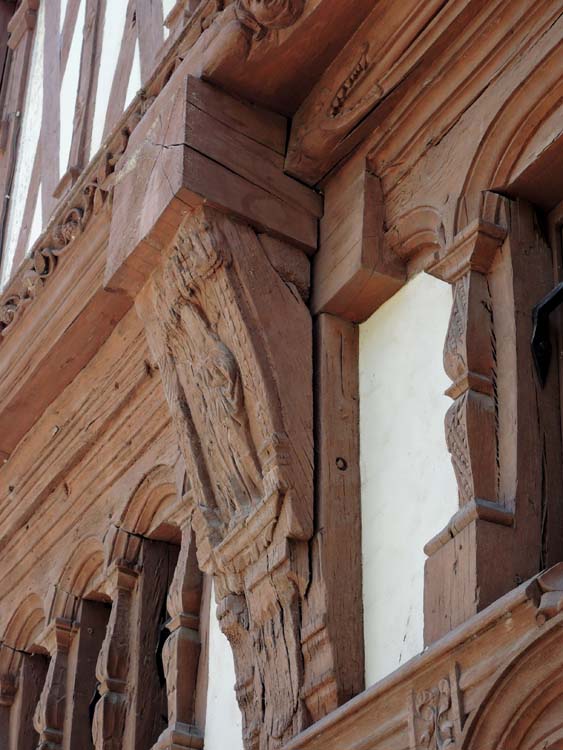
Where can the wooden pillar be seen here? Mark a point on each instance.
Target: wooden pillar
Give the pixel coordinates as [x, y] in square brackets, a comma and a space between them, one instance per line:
[84, 650]
[501, 429]
[7, 693]
[49, 716]
[333, 624]
[147, 697]
[181, 651]
[113, 661]
[32, 674]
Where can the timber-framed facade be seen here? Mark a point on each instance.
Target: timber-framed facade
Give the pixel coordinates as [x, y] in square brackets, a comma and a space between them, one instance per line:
[187, 276]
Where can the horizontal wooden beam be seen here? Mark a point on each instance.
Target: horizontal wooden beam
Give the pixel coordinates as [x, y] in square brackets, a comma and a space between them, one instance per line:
[198, 145]
[354, 271]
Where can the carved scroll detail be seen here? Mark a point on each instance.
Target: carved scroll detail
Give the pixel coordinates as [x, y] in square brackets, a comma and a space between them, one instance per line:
[432, 718]
[247, 446]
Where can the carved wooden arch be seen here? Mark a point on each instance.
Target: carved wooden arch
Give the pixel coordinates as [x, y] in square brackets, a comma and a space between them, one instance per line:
[80, 578]
[22, 633]
[522, 709]
[507, 140]
[154, 504]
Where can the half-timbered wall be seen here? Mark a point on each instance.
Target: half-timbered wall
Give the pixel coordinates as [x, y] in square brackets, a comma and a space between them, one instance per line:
[89, 60]
[408, 485]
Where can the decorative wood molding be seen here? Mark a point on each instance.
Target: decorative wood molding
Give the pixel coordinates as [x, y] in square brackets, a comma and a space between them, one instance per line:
[113, 661]
[49, 716]
[241, 404]
[181, 650]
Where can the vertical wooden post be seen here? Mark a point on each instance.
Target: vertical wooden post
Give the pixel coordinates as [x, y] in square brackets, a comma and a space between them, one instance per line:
[333, 643]
[147, 697]
[113, 661]
[7, 693]
[86, 645]
[182, 649]
[502, 429]
[32, 674]
[49, 716]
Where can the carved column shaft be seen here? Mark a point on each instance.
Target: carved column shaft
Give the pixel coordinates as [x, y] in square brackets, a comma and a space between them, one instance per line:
[182, 648]
[469, 360]
[454, 588]
[49, 716]
[113, 661]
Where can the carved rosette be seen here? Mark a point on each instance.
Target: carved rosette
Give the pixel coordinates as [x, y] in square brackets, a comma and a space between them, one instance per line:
[234, 351]
[264, 16]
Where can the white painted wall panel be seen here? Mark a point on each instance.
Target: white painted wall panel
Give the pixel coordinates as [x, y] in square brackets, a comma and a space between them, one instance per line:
[223, 724]
[134, 77]
[114, 25]
[409, 490]
[69, 90]
[29, 138]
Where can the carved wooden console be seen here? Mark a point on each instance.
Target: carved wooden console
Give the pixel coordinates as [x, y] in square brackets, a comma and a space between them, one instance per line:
[233, 345]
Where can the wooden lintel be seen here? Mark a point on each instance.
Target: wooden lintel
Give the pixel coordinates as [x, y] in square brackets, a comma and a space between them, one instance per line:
[197, 145]
[354, 271]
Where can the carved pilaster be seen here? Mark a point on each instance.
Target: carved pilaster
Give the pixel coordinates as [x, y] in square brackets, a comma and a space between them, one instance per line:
[470, 360]
[113, 660]
[233, 345]
[49, 715]
[182, 649]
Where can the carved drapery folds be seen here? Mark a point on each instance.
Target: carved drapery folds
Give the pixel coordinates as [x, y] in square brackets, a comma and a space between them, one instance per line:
[49, 715]
[233, 344]
[113, 660]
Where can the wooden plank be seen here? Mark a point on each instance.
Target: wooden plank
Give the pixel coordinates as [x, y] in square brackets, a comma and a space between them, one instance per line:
[84, 650]
[67, 33]
[34, 374]
[50, 122]
[122, 73]
[263, 126]
[146, 718]
[33, 671]
[150, 33]
[335, 674]
[354, 272]
[203, 667]
[87, 85]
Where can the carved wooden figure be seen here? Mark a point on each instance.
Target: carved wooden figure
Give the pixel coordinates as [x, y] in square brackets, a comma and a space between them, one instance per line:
[50, 713]
[233, 344]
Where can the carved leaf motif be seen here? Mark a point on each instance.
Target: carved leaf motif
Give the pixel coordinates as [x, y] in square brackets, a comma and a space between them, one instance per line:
[458, 446]
[433, 725]
[262, 16]
[455, 361]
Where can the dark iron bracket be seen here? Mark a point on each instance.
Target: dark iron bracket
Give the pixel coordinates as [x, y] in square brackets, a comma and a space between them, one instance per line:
[541, 340]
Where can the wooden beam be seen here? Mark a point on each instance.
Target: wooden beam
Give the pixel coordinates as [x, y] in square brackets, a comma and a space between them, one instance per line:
[179, 157]
[333, 633]
[354, 271]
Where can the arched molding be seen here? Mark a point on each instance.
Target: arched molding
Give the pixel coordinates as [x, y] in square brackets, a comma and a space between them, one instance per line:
[417, 231]
[508, 140]
[522, 708]
[80, 579]
[22, 633]
[154, 508]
